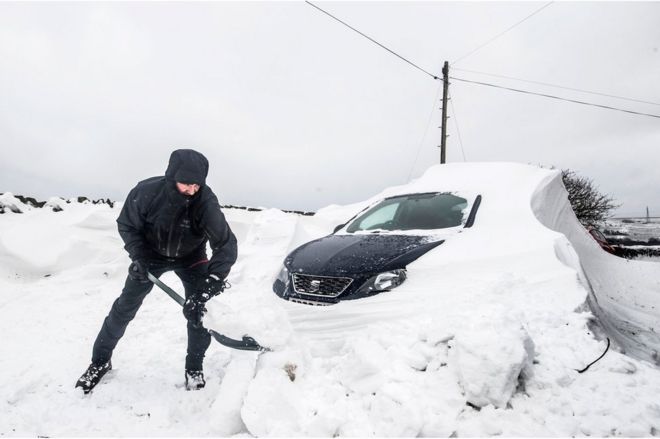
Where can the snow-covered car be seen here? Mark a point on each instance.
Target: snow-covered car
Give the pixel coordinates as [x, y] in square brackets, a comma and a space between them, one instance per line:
[369, 253]
[600, 238]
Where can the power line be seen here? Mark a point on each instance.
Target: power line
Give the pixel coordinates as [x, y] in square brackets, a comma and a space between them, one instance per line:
[557, 97]
[502, 33]
[558, 86]
[373, 41]
[458, 130]
[485, 83]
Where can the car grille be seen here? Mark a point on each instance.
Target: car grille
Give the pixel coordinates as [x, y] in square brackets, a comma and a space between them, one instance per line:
[321, 286]
[310, 302]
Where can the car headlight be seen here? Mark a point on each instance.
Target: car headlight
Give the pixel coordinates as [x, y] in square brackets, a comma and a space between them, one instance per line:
[283, 275]
[389, 279]
[281, 284]
[384, 281]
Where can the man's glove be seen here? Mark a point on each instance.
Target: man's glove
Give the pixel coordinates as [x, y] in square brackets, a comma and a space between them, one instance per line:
[212, 285]
[137, 271]
[194, 309]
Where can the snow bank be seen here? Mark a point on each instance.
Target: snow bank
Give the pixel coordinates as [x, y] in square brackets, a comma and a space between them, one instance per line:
[40, 243]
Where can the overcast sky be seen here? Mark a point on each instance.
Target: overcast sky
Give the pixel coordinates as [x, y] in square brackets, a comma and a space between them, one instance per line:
[296, 111]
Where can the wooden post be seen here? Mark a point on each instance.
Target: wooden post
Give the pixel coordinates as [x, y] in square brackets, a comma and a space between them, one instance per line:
[445, 90]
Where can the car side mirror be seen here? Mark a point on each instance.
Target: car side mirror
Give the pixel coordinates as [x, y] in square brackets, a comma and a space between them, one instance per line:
[338, 227]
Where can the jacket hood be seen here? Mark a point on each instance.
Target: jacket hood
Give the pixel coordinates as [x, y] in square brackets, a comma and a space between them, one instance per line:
[187, 166]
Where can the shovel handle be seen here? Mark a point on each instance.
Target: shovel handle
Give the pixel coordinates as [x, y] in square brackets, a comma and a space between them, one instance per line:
[170, 292]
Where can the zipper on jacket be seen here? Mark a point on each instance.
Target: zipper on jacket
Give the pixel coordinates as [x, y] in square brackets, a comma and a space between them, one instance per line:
[170, 235]
[181, 233]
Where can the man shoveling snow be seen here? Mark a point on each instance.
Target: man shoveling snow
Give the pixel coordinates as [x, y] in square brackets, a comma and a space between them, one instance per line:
[165, 223]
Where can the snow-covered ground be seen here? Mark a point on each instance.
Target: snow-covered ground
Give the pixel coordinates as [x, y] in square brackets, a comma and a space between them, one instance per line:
[639, 238]
[636, 230]
[483, 339]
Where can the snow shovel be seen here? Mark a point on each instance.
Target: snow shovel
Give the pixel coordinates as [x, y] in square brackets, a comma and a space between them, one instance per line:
[246, 344]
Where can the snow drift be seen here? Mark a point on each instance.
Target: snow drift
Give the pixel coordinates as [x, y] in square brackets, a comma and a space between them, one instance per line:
[483, 339]
[624, 294]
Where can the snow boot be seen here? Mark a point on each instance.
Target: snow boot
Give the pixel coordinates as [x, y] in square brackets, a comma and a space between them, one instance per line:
[92, 376]
[194, 379]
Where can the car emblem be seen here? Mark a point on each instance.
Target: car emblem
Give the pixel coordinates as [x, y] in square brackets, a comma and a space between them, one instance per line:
[315, 285]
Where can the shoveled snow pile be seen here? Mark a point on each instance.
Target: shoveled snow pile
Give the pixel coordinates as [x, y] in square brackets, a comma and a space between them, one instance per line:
[490, 363]
[483, 339]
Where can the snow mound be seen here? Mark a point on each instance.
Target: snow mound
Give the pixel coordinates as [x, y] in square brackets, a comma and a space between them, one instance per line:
[491, 362]
[9, 203]
[42, 243]
[56, 204]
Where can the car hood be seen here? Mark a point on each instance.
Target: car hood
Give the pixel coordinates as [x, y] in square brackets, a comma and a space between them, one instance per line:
[358, 253]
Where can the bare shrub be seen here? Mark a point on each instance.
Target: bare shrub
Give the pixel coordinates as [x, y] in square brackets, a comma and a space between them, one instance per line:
[590, 206]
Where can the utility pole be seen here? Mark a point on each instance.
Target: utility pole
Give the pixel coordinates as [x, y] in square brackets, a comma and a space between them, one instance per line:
[445, 90]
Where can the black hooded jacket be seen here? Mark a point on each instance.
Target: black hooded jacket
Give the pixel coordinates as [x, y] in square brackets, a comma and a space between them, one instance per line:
[158, 222]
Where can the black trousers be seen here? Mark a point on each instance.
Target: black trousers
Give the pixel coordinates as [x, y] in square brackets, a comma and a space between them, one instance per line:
[127, 304]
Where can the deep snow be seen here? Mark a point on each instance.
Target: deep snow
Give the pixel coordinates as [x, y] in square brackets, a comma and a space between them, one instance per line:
[482, 339]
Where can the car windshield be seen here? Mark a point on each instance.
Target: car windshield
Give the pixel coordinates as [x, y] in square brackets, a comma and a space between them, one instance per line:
[411, 212]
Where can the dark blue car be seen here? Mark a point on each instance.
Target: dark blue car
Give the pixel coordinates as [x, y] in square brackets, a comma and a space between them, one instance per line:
[369, 253]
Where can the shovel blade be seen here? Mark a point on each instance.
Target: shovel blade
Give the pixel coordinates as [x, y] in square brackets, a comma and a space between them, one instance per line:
[247, 343]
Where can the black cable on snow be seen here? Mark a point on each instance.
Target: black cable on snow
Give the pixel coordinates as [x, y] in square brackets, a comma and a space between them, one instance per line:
[601, 356]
